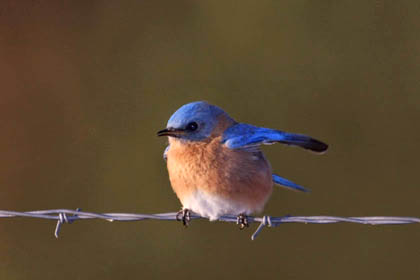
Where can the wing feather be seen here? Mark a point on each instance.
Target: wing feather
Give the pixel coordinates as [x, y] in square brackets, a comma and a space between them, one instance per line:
[247, 136]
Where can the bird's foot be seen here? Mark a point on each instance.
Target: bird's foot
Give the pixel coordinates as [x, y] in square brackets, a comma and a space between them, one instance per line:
[242, 221]
[185, 216]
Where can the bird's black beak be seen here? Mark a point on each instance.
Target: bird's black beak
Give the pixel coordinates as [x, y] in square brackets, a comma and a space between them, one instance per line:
[171, 132]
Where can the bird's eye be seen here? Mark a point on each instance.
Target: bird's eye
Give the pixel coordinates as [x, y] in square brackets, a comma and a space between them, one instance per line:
[192, 126]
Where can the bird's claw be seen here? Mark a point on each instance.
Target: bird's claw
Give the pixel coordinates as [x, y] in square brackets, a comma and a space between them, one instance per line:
[242, 221]
[185, 216]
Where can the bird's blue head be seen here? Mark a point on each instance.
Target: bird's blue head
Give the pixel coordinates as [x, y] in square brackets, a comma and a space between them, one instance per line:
[194, 121]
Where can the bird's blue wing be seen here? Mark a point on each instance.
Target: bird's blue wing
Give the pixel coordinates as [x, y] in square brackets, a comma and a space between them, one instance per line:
[248, 136]
[165, 153]
[288, 184]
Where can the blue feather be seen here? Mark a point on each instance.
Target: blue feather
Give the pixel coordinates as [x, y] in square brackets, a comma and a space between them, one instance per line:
[289, 184]
[165, 153]
[244, 135]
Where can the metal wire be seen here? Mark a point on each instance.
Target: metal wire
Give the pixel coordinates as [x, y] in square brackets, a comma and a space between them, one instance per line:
[69, 216]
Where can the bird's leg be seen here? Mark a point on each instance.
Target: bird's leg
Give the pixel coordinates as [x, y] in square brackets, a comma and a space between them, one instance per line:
[185, 216]
[242, 221]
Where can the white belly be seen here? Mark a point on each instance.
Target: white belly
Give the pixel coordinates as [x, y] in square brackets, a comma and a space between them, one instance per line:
[213, 206]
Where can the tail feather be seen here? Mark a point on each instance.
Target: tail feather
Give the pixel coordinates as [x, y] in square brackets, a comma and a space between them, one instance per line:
[305, 142]
[288, 184]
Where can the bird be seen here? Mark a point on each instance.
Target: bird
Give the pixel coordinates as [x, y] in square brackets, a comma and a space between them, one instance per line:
[216, 166]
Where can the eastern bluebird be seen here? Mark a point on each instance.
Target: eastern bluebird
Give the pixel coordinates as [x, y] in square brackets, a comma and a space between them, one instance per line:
[216, 166]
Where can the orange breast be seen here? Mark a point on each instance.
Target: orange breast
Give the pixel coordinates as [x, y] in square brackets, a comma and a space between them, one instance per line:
[236, 175]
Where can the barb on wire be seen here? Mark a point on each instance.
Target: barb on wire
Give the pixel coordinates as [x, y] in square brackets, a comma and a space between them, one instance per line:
[69, 216]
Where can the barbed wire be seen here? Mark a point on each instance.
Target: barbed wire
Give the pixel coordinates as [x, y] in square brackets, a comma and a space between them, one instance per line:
[69, 216]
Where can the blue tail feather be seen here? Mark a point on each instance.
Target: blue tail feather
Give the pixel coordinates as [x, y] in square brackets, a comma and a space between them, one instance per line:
[289, 184]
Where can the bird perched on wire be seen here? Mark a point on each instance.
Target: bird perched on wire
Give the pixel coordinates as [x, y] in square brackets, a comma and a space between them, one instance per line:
[216, 166]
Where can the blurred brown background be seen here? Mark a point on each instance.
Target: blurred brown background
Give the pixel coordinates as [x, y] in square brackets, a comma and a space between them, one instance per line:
[85, 85]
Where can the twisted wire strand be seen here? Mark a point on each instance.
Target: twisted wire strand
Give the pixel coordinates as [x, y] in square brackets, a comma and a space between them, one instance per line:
[69, 216]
